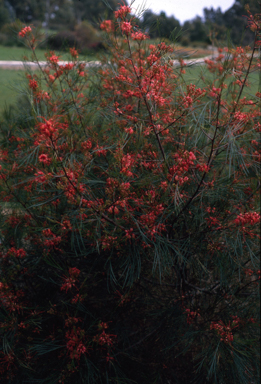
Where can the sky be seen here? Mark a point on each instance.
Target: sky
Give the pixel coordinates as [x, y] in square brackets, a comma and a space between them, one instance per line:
[182, 9]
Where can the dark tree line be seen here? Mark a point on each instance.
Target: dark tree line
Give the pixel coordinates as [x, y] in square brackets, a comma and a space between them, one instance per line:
[66, 14]
[214, 23]
[58, 12]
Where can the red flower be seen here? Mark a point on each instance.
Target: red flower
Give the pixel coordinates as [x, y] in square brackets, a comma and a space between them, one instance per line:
[247, 218]
[49, 127]
[33, 84]
[25, 31]
[122, 12]
[54, 59]
[44, 159]
[74, 52]
[126, 27]
[107, 26]
[18, 253]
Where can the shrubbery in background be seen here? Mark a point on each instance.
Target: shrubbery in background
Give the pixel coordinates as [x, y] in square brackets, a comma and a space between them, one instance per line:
[60, 15]
[130, 224]
[61, 19]
[85, 38]
[8, 34]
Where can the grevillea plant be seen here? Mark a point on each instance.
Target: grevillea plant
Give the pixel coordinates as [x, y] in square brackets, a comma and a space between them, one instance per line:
[130, 225]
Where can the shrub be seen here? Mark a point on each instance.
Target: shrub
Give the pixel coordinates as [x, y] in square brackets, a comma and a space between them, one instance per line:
[85, 38]
[199, 44]
[87, 35]
[62, 40]
[9, 34]
[3, 39]
[129, 227]
[185, 41]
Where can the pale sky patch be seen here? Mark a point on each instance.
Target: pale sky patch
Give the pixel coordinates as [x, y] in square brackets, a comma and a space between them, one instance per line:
[182, 9]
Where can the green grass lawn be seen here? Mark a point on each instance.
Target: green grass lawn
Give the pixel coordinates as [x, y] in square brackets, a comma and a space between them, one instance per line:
[194, 73]
[17, 53]
[11, 80]
[11, 83]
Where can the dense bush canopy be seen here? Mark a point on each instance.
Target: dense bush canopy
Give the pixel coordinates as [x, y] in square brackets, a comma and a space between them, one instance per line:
[130, 225]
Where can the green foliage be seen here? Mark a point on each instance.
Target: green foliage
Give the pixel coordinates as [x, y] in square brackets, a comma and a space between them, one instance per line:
[85, 38]
[129, 219]
[159, 26]
[56, 14]
[4, 15]
[95, 10]
[236, 24]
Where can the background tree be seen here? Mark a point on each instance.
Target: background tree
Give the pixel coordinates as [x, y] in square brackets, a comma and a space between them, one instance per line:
[64, 17]
[4, 14]
[61, 14]
[195, 30]
[158, 25]
[92, 10]
[237, 25]
[58, 14]
[28, 10]
[167, 24]
[215, 23]
[58, 10]
[149, 23]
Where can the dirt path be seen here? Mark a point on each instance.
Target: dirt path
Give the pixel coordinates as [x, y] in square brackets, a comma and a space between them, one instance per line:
[15, 64]
[12, 64]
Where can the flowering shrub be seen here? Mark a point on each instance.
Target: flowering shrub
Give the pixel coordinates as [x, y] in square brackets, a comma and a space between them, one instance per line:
[130, 220]
[25, 31]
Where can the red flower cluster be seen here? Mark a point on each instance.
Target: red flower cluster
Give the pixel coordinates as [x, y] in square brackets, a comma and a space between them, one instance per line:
[53, 59]
[75, 344]
[126, 27]
[14, 221]
[104, 338]
[33, 84]
[25, 31]
[122, 12]
[127, 162]
[139, 36]
[184, 162]
[225, 331]
[70, 281]
[107, 26]
[52, 240]
[45, 159]
[191, 315]
[74, 53]
[251, 218]
[249, 272]
[9, 298]
[7, 361]
[18, 253]
[50, 128]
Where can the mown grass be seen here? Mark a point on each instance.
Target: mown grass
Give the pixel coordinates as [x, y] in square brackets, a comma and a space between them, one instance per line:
[12, 83]
[12, 80]
[18, 53]
[196, 73]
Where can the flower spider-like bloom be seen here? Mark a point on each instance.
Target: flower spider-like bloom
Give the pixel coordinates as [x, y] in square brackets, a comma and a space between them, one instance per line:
[25, 31]
[107, 26]
[122, 12]
[126, 27]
